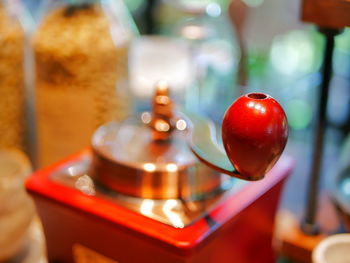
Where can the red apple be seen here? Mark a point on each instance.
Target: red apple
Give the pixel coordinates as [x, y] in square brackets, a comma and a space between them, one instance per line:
[254, 133]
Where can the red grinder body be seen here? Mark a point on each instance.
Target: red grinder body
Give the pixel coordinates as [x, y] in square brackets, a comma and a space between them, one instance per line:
[83, 227]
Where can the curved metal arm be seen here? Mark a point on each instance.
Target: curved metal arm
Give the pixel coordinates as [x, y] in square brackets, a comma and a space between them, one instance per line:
[203, 144]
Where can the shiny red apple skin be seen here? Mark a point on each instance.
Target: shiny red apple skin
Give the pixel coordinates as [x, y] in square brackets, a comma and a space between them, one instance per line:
[254, 133]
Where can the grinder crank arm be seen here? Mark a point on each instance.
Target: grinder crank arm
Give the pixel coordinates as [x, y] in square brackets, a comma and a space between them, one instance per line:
[254, 134]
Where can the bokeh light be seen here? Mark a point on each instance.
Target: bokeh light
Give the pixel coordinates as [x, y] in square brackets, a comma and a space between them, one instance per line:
[295, 53]
[299, 114]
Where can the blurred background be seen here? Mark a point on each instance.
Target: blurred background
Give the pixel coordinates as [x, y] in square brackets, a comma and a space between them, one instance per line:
[210, 54]
[283, 58]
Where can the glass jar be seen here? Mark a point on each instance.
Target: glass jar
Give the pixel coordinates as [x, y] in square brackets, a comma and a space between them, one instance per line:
[16, 208]
[214, 53]
[12, 92]
[155, 58]
[81, 56]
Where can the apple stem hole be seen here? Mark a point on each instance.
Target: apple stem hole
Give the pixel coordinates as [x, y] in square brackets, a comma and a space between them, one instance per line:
[257, 96]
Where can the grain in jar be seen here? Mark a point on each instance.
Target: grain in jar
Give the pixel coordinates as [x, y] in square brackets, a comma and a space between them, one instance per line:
[11, 80]
[81, 57]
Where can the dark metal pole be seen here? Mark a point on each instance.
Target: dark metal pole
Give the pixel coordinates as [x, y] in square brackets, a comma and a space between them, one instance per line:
[309, 225]
[149, 17]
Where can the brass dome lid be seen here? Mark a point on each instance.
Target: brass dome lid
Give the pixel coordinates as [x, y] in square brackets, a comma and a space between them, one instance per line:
[148, 156]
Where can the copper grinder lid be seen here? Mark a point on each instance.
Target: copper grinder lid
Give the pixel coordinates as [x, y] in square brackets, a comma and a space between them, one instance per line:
[148, 156]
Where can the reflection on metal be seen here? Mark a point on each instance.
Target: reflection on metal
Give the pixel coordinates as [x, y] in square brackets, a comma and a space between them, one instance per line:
[146, 117]
[147, 207]
[162, 113]
[161, 126]
[169, 210]
[171, 167]
[181, 125]
[85, 184]
[149, 167]
[178, 213]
